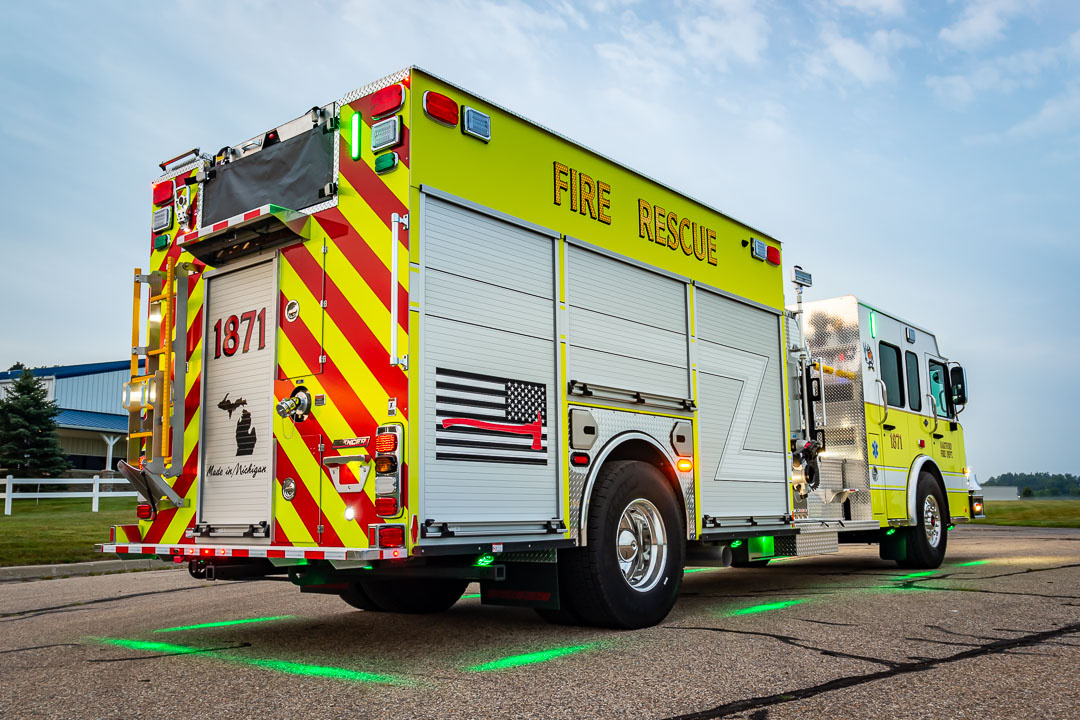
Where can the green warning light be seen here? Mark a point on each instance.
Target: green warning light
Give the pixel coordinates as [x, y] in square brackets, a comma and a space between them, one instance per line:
[484, 560]
[735, 544]
[890, 531]
[357, 120]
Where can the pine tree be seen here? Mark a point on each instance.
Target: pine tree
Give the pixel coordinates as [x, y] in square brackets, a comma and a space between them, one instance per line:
[28, 444]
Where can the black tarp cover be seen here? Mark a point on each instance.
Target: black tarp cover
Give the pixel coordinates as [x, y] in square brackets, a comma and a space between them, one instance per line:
[289, 174]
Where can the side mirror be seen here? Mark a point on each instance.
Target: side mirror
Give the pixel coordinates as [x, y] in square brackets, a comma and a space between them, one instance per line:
[958, 383]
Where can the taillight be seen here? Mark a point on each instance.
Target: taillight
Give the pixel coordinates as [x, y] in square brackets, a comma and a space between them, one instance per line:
[579, 459]
[440, 108]
[144, 511]
[387, 463]
[386, 442]
[391, 536]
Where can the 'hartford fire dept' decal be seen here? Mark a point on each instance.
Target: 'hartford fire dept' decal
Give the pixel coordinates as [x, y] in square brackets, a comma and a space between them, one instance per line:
[480, 418]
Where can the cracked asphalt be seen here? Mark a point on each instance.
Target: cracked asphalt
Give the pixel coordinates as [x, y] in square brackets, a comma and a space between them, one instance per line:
[995, 632]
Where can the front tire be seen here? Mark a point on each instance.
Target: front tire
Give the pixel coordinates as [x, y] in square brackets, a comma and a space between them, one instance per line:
[628, 576]
[926, 541]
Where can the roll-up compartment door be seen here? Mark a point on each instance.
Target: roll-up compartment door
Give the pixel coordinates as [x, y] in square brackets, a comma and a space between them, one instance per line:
[627, 326]
[490, 449]
[238, 373]
[741, 435]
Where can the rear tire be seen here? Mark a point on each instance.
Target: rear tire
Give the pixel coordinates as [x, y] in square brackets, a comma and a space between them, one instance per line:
[412, 596]
[359, 599]
[926, 541]
[628, 576]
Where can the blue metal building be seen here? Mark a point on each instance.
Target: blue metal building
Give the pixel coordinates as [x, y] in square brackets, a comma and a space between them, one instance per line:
[91, 420]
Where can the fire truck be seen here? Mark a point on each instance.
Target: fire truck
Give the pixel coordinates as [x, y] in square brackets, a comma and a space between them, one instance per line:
[411, 340]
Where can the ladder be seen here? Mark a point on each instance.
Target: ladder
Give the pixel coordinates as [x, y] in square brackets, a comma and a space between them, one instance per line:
[153, 412]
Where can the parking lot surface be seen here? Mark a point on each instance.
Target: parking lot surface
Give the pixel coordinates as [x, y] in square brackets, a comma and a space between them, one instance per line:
[994, 632]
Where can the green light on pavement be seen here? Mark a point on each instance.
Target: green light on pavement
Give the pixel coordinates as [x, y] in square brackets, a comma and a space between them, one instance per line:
[950, 527]
[531, 658]
[973, 562]
[224, 623]
[327, 671]
[912, 576]
[753, 609]
[291, 668]
[693, 570]
[485, 560]
[735, 544]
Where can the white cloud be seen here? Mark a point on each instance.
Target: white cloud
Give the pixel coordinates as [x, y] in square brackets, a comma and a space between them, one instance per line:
[725, 30]
[982, 22]
[888, 8]
[1002, 74]
[1060, 113]
[869, 61]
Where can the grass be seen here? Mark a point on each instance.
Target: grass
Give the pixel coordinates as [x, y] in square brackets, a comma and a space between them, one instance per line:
[1033, 513]
[60, 531]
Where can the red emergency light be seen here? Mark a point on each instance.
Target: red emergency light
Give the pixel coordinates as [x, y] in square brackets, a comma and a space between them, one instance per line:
[144, 511]
[772, 255]
[391, 536]
[441, 108]
[387, 101]
[386, 506]
[163, 193]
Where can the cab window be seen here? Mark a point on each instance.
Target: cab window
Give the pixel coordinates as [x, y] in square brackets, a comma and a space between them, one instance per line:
[890, 374]
[914, 388]
[939, 388]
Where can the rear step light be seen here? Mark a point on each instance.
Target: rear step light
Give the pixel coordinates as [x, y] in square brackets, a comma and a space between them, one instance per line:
[387, 101]
[440, 108]
[391, 536]
[386, 442]
[144, 511]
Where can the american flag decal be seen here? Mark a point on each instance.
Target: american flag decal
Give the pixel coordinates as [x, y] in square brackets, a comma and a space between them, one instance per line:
[480, 418]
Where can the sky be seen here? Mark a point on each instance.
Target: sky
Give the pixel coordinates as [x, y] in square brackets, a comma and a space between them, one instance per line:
[922, 156]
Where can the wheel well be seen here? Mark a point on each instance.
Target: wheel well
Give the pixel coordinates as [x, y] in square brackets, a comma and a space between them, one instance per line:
[643, 451]
[932, 468]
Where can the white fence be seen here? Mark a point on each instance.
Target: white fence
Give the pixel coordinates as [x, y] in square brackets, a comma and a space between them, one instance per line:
[96, 493]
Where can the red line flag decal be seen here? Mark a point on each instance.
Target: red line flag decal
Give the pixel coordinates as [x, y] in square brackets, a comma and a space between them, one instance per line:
[480, 418]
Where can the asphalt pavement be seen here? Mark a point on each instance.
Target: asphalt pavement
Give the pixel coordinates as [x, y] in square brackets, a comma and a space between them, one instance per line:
[995, 632]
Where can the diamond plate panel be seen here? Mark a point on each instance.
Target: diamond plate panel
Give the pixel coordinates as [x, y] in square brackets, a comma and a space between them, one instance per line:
[377, 85]
[533, 556]
[832, 330]
[610, 423]
[816, 543]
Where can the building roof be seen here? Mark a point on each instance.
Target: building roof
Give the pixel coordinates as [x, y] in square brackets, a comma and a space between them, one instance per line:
[96, 421]
[64, 371]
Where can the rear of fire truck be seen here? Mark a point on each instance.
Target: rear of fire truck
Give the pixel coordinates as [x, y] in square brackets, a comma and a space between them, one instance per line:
[269, 392]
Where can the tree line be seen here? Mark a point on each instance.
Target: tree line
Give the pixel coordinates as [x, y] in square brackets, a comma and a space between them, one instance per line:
[1040, 484]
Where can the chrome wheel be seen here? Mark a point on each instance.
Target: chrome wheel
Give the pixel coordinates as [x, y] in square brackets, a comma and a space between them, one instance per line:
[931, 516]
[641, 545]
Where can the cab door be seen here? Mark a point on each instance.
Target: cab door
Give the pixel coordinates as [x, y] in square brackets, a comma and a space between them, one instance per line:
[946, 435]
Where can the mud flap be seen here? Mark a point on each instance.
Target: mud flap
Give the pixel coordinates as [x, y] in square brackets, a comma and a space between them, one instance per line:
[893, 547]
[527, 584]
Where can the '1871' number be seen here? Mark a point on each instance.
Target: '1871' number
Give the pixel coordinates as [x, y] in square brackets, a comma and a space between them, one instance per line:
[228, 342]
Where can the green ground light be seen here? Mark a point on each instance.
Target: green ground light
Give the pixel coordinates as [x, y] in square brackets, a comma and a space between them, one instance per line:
[912, 576]
[514, 661]
[224, 623]
[693, 570]
[290, 668]
[753, 609]
[973, 562]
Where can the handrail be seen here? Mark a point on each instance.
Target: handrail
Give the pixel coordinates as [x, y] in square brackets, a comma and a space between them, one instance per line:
[395, 221]
[884, 401]
[933, 410]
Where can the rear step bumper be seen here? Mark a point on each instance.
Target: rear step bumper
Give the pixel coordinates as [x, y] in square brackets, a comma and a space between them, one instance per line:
[254, 551]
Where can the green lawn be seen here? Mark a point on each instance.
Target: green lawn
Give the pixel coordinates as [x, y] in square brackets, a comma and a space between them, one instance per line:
[60, 531]
[1036, 513]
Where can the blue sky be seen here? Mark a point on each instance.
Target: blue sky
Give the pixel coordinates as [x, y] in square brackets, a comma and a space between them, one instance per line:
[925, 156]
